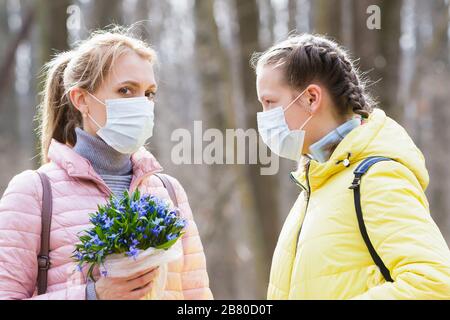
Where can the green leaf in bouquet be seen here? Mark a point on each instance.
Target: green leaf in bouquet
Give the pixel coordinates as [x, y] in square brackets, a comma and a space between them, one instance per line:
[168, 244]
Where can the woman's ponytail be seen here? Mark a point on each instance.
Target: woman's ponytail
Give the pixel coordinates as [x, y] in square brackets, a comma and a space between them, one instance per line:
[58, 117]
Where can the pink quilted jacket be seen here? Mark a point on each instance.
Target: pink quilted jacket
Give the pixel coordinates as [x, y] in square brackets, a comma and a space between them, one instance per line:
[77, 190]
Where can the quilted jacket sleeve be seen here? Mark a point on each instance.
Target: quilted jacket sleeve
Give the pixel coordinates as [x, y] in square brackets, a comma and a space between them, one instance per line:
[20, 228]
[195, 280]
[405, 236]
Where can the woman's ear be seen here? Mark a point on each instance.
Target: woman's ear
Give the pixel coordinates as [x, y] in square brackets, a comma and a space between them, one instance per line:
[314, 98]
[78, 98]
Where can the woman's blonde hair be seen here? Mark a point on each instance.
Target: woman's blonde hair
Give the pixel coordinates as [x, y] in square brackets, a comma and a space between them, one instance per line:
[85, 66]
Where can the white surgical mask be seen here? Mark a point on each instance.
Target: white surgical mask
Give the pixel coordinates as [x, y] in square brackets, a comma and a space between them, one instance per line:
[129, 123]
[275, 133]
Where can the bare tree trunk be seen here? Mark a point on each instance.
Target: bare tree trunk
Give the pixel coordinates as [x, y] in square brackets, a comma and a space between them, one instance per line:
[107, 12]
[292, 8]
[52, 20]
[430, 92]
[8, 63]
[262, 187]
[141, 15]
[8, 102]
[379, 51]
[327, 18]
[212, 66]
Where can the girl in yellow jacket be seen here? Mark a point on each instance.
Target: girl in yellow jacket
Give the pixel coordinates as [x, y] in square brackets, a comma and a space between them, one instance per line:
[316, 111]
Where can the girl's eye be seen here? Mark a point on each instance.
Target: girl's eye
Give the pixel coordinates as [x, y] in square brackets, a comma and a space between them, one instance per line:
[150, 95]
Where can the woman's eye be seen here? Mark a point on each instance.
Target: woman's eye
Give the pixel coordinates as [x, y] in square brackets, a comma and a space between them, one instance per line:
[124, 91]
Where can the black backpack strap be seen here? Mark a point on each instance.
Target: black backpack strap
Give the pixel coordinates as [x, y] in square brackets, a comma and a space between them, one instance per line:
[356, 187]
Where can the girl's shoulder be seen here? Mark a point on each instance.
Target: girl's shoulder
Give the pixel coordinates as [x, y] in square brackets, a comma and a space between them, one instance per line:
[394, 179]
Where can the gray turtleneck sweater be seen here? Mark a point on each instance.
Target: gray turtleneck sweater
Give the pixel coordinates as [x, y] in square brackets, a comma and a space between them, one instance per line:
[114, 167]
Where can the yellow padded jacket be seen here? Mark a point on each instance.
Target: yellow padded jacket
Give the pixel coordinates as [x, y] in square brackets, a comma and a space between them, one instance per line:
[320, 252]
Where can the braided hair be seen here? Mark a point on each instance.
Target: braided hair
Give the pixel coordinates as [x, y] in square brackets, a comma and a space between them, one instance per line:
[307, 58]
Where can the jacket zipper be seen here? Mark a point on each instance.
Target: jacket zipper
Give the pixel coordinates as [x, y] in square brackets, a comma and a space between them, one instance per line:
[308, 195]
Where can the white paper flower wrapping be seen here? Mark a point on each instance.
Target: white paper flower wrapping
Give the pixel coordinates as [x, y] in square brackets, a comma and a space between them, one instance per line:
[120, 266]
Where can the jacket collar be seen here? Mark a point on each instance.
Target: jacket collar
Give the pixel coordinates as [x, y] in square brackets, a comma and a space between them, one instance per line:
[143, 162]
[378, 136]
[351, 148]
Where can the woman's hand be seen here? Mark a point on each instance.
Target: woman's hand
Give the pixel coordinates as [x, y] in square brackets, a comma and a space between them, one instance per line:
[132, 288]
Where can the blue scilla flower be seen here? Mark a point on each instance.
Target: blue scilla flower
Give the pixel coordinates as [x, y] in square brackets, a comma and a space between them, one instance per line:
[158, 221]
[144, 200]
[181, 223]
[140, 229]
[99, 219]
[133, 252]
[112, 236]
[100, 253]
[96, 219]
[157, 230]
[96, 240]
[134, 242]
[171, 236]
[79, 255]
[91, 232]
[139, 207]
[173, 213]
[169, 218]
[108, 223]
[161, 210]
[118, 205]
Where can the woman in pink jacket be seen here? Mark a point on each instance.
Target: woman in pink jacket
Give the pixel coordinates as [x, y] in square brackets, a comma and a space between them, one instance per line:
[96, 115]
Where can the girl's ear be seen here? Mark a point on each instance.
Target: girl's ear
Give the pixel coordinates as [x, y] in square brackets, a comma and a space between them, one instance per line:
[314, 98]
[78, 98]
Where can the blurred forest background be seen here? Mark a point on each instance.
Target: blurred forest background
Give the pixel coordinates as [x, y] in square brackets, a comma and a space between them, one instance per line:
[204, 48]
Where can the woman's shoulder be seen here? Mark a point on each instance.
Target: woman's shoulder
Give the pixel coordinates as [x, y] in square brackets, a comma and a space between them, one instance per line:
[25, 182]
[159, 184]
[160, 179]
[28, 181]
[21, 200]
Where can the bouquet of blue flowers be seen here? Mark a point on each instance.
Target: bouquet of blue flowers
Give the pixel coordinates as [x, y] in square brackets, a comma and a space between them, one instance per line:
[129, 235]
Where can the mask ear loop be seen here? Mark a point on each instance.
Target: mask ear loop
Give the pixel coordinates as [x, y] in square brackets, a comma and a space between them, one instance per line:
[292, 103]
[98, 100]
[88, 114]
[306, 122]
[295, 100]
